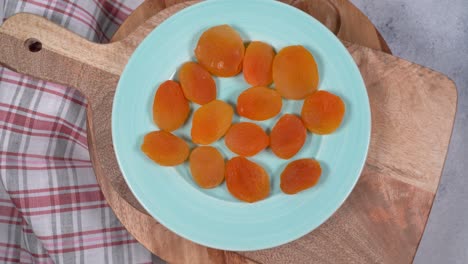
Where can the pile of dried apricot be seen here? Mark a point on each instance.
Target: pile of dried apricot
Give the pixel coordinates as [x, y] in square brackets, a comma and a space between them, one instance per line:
[221, 52]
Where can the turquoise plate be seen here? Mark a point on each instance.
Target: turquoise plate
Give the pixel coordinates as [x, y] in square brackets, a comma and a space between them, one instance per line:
[213, 217]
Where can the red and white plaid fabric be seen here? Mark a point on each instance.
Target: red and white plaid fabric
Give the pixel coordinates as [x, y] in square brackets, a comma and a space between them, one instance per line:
[51, 208]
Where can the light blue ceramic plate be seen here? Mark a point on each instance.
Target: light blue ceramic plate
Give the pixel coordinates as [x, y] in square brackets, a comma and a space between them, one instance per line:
[213, 217]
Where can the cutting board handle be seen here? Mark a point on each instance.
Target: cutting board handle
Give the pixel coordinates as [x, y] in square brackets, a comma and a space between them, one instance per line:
[35, 46]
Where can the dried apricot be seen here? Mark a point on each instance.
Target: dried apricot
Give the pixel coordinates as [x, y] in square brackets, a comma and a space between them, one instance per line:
[258, 61]
[220, 50]
[323, 112]
[300, 175]
[295, 72]
[165, 149]
[211, 121]
[246, 139]
[246, 180]
[197, 83]
[207, 167]
[170, 108]
[288, 136]
[259, 103]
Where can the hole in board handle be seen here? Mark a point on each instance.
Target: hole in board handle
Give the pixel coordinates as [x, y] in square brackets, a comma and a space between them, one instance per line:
[33, 45]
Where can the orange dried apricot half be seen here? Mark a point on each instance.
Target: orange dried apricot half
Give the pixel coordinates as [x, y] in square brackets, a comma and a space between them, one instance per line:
[259, 103]
[164, 148]
[300, 175]
[246, 139]
[258, 61]
[207, 166]
[211, 121]
[246, 180]
[288, 136]
[295, 73]
[170, 108]
[220, 50]
[323, 112]
[197, 83]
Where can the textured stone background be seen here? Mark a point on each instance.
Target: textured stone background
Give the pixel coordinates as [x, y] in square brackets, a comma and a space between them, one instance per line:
[434, 33]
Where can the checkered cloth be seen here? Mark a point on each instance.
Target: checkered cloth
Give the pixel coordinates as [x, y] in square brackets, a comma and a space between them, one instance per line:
[51, 208]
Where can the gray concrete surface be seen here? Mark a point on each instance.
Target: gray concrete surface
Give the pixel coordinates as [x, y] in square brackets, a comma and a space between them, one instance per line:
[434, 33]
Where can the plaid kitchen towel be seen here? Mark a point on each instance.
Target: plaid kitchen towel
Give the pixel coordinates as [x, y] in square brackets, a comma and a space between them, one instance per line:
[51, 208]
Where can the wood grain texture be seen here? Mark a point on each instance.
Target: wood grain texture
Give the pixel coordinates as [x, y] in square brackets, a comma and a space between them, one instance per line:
[382, 221]
[357, 28]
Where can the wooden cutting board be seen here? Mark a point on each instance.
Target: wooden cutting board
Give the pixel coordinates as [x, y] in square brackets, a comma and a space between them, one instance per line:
[413, 110]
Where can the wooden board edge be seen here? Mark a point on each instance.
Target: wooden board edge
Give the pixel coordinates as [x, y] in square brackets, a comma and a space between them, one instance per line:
[455, 90]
